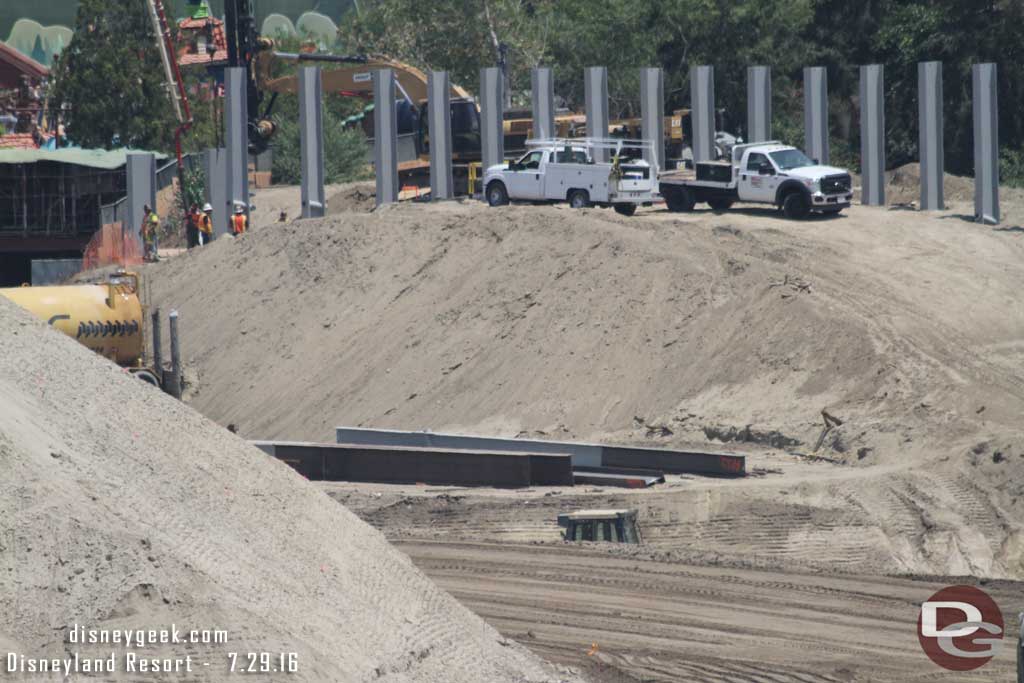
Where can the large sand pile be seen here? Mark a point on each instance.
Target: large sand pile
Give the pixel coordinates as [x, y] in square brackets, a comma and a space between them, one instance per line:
[121, 508]
[736, 328]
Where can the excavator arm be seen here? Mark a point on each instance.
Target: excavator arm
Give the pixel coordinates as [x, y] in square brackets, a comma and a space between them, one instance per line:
[357, 79]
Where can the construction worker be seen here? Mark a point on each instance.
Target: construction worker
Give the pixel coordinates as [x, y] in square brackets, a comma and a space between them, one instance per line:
[238, 222]
[192, 226]
[206, 224]
[148, 232]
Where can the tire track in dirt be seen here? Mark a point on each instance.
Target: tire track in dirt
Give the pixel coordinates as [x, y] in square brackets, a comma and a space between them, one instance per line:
[662, 621]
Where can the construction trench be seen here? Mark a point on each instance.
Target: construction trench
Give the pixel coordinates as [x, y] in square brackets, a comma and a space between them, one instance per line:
[374, 455]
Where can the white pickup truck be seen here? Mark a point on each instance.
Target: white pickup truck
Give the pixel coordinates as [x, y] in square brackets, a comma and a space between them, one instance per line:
[566, 170]
[761, 172]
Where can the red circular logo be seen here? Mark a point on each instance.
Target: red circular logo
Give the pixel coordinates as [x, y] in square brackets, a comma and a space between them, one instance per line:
[960, 628]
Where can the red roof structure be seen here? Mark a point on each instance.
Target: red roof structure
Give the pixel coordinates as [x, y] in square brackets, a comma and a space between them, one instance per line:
[14, 65]
[202, 42]
[18, 141]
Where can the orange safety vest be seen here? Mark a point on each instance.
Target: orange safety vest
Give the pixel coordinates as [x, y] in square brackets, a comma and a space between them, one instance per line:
[238, 223]
[205, 225]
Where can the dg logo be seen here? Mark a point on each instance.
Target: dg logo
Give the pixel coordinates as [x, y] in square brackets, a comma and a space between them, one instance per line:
[960, 628]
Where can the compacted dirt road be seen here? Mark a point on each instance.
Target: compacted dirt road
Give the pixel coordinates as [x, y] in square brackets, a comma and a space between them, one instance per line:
[659, 621]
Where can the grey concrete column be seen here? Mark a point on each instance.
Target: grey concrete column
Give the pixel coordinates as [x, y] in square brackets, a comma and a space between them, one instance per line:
[237, 140]
[931, 148]
[702, 115]
[141, 171]
[492, 110]
[652, 113]
[311, 132]
[595, 90]
[759, 103]
[816, 113]
[216, 164]
[872, 135]
[986, 143]
[439, 120]
[385, 136]
[542, 85]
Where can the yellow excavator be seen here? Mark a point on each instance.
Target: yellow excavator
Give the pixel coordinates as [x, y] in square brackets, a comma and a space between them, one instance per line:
[356, 80]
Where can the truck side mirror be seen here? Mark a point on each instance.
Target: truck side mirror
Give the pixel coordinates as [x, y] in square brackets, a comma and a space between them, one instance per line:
[766, 169]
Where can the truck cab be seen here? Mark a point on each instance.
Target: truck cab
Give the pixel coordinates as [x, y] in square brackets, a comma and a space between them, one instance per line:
[570, 170]
[767, 171]
[764, 173]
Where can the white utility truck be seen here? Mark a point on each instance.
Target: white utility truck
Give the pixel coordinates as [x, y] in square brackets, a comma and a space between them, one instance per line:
[760, 172]
[566, 170]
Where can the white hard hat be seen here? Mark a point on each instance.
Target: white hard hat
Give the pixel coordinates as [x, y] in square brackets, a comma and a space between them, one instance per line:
[207, 207]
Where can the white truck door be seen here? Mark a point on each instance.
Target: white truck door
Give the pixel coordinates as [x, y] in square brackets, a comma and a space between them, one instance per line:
[758, 178]
[525, 179]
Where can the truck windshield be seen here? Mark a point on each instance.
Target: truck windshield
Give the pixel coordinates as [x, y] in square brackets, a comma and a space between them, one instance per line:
[790, 158]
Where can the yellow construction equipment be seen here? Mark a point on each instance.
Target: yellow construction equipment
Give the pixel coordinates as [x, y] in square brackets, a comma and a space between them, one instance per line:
[106, 318]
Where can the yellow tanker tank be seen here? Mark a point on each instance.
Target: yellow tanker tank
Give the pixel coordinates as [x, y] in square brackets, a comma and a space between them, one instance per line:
[106, 318]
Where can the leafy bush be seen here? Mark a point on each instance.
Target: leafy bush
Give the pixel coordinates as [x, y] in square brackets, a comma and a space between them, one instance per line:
[345, 150]
[1011, 168]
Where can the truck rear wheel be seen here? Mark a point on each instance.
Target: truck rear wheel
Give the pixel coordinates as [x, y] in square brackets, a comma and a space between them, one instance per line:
[796, 206]
[625, 209]
[720, 204]
[579, 199]
[497, 195]
[680, 199]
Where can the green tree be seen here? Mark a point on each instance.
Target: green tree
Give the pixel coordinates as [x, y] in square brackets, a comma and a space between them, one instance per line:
[109, 82]
[460, 36]
[345, 149]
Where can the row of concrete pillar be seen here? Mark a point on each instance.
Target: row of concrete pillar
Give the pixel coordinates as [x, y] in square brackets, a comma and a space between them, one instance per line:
[227, 170]
[759, 123]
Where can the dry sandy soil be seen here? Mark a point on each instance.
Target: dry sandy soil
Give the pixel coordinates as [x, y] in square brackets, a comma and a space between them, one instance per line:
[702, 328]
[668, 611]
[121, 508]
[342, 198]
[730, 331]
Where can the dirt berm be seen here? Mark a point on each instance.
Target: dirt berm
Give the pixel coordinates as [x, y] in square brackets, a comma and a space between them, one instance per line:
[121, 508]
[724, 330]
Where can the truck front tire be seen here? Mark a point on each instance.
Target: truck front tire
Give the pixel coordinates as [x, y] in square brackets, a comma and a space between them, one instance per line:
[579, 199]
[680, 199]
[497, 195]
[796, 206]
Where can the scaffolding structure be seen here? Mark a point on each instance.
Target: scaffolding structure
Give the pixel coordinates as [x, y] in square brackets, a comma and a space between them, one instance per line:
[53, 199]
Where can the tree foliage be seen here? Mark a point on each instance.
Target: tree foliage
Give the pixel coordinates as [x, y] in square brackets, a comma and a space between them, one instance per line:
[110, 77]
[345, 149]
[109, 82]
[461, 37]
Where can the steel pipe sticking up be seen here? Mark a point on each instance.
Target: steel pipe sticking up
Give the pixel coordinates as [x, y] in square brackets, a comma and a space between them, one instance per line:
[174, 383]
[158, 359]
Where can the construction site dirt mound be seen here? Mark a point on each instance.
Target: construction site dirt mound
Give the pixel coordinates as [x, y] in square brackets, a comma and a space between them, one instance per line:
[121, 508]
[903, 188]
[270, 203]
[732, 330]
